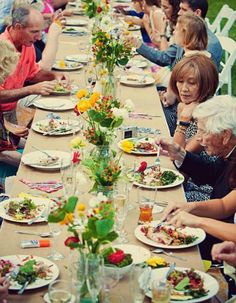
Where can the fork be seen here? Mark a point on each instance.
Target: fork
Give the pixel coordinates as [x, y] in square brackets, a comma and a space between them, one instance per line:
[172, 268]
[44, 152]
[158, 161]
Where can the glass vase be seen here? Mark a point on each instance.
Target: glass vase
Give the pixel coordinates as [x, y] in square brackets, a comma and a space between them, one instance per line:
[109, 85]
[102, 151]
[107, 191]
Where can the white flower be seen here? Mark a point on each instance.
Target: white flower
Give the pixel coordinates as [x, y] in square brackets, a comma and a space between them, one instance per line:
[95, 200]
[129, 105]
[120, 112]
[101, 197]
[106, 24]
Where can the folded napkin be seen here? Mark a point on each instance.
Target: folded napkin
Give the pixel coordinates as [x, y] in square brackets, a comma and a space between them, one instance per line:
[48, 186]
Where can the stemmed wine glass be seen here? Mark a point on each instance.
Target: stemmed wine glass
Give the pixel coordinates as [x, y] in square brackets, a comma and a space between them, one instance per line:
[111, 278]
[120, 203]
[94, 271]
[78, 273]
[90, 77]
[68, 177]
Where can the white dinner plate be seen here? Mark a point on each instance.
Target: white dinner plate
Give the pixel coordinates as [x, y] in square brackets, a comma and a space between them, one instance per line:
[139, 253]
[72, 3]
[42, 204]
[83, 58]
[210, 283]
[33, 159]
[73, 30]
[177, 182]
[140, 151]
[198, 232]
[54, 104]
[78, 11]
[61, 127]
[76, 22]
[17, 260]
[137, 80]
[69, 66]
[137, 63]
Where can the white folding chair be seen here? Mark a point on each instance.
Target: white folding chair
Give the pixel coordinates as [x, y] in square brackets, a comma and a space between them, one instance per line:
[228, 13]
[229, 48]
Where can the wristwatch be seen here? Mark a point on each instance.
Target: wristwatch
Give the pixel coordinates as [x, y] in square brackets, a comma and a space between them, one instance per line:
[183, 123]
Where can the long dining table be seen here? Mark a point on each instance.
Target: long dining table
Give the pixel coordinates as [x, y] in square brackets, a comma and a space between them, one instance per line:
[146, 100]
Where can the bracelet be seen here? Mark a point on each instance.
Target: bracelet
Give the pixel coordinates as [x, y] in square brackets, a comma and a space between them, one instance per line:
[183, 123]
[163, 36]
[181, 129]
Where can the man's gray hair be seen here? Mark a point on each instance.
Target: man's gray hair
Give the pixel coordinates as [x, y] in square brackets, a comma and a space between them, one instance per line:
[21, 15]
[219, 113]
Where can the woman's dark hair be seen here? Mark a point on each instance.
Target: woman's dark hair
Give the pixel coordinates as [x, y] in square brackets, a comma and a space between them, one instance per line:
[153, 2]
[175, 4]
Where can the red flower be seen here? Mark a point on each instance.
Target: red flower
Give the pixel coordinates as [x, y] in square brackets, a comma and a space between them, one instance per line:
[142, 167]
[76, 156]
[99, 9]
[116, 257]
[78, 113]
[71, 242]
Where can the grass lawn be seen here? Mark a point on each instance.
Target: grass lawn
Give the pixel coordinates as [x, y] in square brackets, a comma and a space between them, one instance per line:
[214, 8]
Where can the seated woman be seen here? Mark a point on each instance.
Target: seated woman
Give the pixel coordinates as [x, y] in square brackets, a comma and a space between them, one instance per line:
[9, 140]
[217, 134]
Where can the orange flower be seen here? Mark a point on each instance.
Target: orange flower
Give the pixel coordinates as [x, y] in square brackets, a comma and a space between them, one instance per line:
[69, 218]
[82, 93]
[94, 98]
[83, 106]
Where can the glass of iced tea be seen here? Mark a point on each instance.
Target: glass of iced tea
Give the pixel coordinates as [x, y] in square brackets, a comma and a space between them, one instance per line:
[161, 292]
[145, 215]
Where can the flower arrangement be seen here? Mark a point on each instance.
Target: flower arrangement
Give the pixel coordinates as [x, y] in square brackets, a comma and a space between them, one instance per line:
[95, 8]
[116, 257]
[110, 46]
[103, 115]
[90, 230]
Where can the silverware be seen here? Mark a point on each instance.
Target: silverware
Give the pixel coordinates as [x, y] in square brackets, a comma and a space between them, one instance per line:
[158, 161]
[172, 268]
[170, 254]
[42, 235]
[47, 154]
[13, 274]
[20, 292]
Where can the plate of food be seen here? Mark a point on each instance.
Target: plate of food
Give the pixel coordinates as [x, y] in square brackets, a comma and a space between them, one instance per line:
[137, 63]
[46, 159]
[76, 22]
[188, 284]
[54, 104]
[67, 66]
[56, 127]
[61, 89]
[134, 27]
[168, 236]
[37, 270]
[82, 58]
[137, 80]
[139, 254]
[23, 210]
[154, 177]
[138, 146]
[74, 30]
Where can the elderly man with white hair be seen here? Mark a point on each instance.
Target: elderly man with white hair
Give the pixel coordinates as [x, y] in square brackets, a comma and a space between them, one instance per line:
[217, 134]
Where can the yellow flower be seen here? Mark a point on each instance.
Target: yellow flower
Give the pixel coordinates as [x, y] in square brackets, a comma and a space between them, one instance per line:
[83, 106]
[61, 64]
[94, 98]
[156, 262]
[127, 146]
[96, 210]
[77, 142]
[81, 207]
[82, 93]
[69, 218]
[107, 36]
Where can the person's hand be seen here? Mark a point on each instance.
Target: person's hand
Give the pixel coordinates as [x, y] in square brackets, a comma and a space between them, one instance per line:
[18, 130]
[225, 251]
[166, 98]
[175, 151]
[155, 37]
[42, 88]
[164, 24]
[68, 12]
[4, 285]
[182, 218]
[61, 77]
[134, 41]
[170, 209]
[185, 111]
[59, 18]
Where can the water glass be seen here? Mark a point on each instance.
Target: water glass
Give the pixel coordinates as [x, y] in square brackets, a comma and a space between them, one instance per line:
[137, 273]
[94, 272]
[77, 270]
[161, 292]
[68, 177]
[111, 278]
[59, 291]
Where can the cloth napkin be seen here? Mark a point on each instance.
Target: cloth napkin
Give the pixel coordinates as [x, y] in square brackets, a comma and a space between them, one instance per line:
[48, 186]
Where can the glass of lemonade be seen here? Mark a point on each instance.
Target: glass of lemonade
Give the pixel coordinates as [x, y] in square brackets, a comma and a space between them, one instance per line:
[59, 291]
[161, 292]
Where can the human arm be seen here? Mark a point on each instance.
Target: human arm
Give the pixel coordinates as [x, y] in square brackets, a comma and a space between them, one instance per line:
[4, 285]
[134, 20]
[193, 145]
[58, 3]
[225, 251]
[147, 25]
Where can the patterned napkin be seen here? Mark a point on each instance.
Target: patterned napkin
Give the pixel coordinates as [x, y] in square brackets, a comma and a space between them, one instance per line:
[48, 186]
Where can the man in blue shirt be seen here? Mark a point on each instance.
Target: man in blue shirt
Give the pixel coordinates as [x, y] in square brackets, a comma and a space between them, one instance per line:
[5, 8]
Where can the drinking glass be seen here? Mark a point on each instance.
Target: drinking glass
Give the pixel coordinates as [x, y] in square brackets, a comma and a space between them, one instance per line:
[68, 174]
[146, 204]
[161, 292]
[94, 271]
[59, 291]
[110, 279]
[55, 230]
[139, 280]
[90, 77]
[120, 204]
[77, 270]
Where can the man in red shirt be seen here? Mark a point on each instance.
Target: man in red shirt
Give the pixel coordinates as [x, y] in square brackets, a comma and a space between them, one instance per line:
[27, 24]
